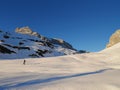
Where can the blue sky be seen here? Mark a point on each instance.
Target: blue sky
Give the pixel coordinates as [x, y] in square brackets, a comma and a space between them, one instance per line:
[86, 24]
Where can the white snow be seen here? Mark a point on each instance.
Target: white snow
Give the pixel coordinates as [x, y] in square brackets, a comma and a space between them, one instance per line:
[91, 71]
[29, 41]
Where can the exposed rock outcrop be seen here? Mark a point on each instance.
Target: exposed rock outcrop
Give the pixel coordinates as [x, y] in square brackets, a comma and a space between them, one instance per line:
[5, 50]
[114, 39]
[62, 43]
[31, 45]
[26, 30]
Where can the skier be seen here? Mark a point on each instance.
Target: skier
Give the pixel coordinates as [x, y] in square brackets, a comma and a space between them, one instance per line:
[24, 62]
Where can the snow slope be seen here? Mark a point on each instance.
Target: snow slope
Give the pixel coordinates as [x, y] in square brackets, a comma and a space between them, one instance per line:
[91, 71]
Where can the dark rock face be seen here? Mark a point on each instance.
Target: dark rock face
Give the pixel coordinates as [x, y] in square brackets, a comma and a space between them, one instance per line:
[0, 31]
[5, 50]
[17, 47]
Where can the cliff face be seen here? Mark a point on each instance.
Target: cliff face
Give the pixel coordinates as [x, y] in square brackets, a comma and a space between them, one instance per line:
[114, 39]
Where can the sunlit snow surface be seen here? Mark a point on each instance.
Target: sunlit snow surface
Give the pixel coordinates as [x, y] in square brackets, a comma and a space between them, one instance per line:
[30, 42]
[92, 71]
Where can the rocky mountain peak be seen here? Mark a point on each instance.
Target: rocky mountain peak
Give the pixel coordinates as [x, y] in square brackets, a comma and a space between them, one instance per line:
[27, 30]
[24, 30]
[114, 39]
[17, 46]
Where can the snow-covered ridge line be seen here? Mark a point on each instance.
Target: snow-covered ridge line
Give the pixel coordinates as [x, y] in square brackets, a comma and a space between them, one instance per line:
[23, 45]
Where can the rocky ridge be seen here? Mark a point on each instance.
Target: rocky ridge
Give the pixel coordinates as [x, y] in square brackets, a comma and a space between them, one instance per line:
[28, 31]
[114, 39]
[26, 43]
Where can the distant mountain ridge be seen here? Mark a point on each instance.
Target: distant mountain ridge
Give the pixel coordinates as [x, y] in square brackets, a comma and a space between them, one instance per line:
[25, 43]
[27, 30]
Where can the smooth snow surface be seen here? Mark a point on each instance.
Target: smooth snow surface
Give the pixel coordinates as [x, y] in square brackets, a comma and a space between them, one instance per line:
[92, 71]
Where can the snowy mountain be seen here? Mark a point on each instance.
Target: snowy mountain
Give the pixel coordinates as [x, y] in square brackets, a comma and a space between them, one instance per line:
[24, 43]
[90, 71]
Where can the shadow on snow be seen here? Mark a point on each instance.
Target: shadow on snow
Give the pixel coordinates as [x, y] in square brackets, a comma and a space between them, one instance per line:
[52, 79]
